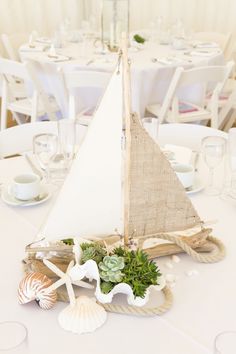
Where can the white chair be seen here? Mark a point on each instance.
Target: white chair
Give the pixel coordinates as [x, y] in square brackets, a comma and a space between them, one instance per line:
[227, 116]
[12, 44]
[35, 105]
[85, 89]
[185, 100]
[221, 39]
[18, 139]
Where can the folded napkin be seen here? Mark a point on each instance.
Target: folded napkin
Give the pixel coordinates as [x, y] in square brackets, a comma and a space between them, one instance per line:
[33, 48]
[204, 53]
[45, 40]
[57, 58]
[180, 154]
[207, 45]
[168, 60]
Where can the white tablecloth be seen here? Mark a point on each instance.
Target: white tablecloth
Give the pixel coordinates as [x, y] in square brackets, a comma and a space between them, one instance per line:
[149, 79]
[203, 304]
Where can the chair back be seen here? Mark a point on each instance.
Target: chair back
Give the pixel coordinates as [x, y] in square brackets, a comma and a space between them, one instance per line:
[79, 85]
[19, 139]
[192, 85]
[12, 43]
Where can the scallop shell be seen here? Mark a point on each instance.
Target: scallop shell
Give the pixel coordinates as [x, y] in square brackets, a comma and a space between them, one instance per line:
[32, 287]
[83, 317]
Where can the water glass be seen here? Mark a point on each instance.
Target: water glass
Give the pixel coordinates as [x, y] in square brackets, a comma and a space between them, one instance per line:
[67, 139]
[225, 343]
[151, 125]
[13, 337]
[213, 150]
[45, 149]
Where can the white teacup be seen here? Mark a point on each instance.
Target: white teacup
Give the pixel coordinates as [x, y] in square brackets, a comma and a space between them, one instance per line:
[25, 186]
[178, 43]
[185, 173]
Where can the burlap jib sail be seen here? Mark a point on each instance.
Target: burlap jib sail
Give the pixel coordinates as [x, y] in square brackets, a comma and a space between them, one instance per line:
[158, 201]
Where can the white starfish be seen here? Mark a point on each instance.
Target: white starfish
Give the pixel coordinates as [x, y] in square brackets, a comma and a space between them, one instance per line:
[65, 279]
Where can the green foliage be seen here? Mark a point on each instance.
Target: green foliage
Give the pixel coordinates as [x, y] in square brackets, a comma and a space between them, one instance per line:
[92, 251]
[139, 39]
[138, 271]
[110, 269]
[68, 241]
[106, 287]
[130, 267]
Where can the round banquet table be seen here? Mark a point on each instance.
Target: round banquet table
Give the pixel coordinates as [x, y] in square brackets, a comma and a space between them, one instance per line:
[152, 67]
[204, 305]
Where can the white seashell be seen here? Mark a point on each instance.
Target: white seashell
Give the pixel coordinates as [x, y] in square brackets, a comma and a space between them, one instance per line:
[83, 317]
[90, 270]
[172, 285]
[170, 277]
[175, 259]
[169, 265]
[33, 286]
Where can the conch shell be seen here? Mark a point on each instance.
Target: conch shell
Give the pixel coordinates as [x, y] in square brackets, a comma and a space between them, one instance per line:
[32, 287]
[84, 316]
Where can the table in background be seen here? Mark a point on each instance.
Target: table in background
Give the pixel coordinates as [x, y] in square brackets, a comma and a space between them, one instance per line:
[149, 79]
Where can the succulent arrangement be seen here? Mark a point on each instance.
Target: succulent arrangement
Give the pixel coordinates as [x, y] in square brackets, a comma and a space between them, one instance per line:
[122, 266]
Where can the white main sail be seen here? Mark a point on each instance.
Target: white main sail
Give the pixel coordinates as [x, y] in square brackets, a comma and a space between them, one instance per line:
[90, 201]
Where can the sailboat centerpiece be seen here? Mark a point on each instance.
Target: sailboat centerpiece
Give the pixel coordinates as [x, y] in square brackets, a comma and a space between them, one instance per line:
[120, 189]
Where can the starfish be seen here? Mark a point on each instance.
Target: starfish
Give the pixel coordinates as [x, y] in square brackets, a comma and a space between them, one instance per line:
[65, 279]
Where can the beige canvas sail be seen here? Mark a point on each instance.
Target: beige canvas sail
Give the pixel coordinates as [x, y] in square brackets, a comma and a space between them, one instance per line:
[157, 200]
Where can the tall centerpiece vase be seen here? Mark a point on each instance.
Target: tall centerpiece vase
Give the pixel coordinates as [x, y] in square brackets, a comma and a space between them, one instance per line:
[115, 18]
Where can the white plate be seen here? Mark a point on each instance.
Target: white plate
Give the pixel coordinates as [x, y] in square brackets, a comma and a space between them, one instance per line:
[11, 200]
[197, 186]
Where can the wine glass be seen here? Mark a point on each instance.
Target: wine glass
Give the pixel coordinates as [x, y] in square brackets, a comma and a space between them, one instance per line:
[225, 343]
[13, 337]
[67, 139]
[45, 148]
[213, 150]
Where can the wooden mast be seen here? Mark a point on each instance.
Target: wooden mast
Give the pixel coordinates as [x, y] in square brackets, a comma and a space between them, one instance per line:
[126, 120]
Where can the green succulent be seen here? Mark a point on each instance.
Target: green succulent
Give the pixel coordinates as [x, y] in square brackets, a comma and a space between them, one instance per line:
[110, 268]
[68, 241]
[92, 251]
[106, 287]
[138, 272]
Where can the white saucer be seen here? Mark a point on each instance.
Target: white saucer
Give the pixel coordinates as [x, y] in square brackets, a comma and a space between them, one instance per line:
[197, 186]
[11, 200]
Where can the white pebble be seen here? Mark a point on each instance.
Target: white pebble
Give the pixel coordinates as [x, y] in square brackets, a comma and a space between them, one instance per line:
[169, 265]
[172, 285]
[175, 258]
[170, 277]
[192, 272]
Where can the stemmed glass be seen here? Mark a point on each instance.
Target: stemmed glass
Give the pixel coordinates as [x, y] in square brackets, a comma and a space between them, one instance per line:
[67, 139]
[225, 343]
[213, 150]
[13, 337]
[45, 149]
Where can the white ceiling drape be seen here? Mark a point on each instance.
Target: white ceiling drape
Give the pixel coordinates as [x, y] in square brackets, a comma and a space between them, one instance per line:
[46, 15]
